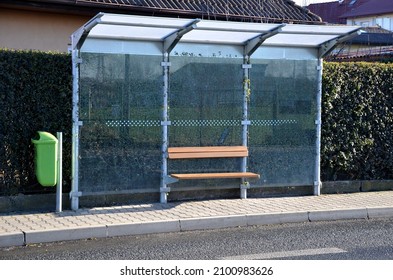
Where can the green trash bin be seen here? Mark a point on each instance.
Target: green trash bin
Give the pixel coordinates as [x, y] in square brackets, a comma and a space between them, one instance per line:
[45, 158]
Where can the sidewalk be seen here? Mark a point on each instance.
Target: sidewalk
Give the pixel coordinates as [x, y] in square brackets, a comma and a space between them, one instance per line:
[28, 228]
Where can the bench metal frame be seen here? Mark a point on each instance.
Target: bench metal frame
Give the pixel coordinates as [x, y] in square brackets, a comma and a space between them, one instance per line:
[178, 153]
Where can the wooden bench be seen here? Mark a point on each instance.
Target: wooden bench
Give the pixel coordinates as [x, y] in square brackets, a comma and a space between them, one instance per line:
[210, 152]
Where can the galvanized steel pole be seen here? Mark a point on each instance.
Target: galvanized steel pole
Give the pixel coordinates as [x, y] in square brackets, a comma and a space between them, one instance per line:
[59, 186]
[318, 122]
[75, 131]
[164, 169]
[245, 122]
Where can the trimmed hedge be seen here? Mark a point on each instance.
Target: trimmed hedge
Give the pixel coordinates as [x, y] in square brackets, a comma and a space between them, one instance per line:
[357, 129]
[36, 94]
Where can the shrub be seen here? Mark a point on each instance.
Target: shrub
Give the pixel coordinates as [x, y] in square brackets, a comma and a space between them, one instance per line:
[35, 94]
[357, 128]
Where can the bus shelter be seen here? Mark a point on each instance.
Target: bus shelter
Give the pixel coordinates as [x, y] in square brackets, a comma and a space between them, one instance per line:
[144, 85]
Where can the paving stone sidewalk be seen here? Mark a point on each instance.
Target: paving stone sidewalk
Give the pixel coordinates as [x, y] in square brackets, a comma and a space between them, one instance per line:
[102, 222]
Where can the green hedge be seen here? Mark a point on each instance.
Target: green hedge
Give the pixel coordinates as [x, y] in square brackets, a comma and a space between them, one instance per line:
[36, 94]
[357, 130]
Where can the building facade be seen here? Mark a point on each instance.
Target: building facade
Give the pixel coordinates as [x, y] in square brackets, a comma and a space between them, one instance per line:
[376, 18]
[366, 13]
[372, 13]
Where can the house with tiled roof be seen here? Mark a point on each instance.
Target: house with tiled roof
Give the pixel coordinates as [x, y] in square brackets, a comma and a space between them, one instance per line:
[47, 24]
[330, 12]
[365, 13]
[374, 44]
[376, 16]
[371, 13]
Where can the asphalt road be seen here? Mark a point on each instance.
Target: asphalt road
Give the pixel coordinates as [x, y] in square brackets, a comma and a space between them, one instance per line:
[340, 240]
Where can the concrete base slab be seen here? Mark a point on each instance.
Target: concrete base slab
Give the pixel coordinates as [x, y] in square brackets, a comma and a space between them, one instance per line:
[377, 185]
[333, 187]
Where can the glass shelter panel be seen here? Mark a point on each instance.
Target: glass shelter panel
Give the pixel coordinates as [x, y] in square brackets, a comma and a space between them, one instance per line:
[283, 112]
[120, 106]
[206, 93]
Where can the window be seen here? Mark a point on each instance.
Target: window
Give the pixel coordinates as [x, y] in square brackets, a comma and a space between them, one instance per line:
[384, 23]
[365, 23]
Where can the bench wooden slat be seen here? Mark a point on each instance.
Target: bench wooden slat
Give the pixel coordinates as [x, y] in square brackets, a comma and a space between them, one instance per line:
[207, 152]
[207, 155]
[207, 149]
[192, 176]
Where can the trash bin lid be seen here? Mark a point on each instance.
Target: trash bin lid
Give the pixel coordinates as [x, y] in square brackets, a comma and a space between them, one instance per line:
[43, 137]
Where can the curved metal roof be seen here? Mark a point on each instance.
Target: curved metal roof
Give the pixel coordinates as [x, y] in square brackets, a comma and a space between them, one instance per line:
[173, 30]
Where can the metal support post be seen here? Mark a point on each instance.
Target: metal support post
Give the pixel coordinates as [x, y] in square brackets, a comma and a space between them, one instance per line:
[165, 122]
[75, 131]
[318, 122]
[169, 43]
[77, 40]
[245, 122]
[249, 48]
[59, 186]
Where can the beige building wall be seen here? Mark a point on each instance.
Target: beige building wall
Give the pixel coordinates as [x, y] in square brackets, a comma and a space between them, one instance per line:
[385, 21]
[31, 30]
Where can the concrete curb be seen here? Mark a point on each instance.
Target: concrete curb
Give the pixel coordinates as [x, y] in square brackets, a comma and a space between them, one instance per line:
[380, 212]
[143, 228]
[332, 215]
[213, 222]
[64, 234]
[111, 230]
[276, 218]
[12, 239]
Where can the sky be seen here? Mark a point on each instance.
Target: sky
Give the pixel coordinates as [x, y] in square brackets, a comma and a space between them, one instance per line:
[307, 2]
